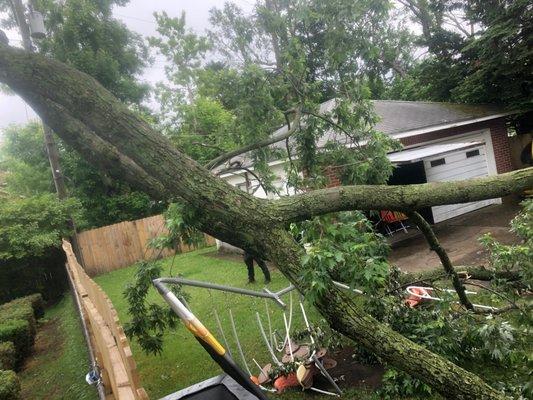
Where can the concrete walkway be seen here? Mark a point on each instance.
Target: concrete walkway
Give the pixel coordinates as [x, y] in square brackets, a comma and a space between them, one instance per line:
[459, 236]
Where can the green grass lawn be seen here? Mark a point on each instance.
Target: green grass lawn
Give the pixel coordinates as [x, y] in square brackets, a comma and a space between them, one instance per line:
[183, 361]
[57, 368]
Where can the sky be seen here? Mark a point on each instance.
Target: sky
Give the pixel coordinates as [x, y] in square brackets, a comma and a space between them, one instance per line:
[138, 16]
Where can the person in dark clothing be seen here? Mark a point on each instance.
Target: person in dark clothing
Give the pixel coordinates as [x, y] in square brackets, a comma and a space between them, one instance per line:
[249, 261]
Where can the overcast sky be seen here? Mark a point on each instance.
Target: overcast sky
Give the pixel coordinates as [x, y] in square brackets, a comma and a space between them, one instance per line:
[138, 16]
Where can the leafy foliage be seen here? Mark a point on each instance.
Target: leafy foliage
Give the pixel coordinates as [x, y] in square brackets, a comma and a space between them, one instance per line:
[519, 256]
[9, 386]
[23, 159]
[342, 247]
[179, 221]
[84, 34]
[478, 52]
[30, 226]
[148, 320]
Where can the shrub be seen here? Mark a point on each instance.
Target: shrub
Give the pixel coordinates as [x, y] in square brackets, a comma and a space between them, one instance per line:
[7, 355]
[18, 310]
[19, 332]
[44, 274]
[9, 386]
[35, 301]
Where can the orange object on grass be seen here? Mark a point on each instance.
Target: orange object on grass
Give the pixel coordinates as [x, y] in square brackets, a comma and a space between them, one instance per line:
[285, 382]
[255, 380]
[412, 301]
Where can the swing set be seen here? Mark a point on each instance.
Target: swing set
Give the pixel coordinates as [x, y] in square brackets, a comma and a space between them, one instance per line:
[307, 359]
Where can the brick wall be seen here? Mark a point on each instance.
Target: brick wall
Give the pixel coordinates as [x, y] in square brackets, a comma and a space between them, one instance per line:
[501, 146]
[333, 176]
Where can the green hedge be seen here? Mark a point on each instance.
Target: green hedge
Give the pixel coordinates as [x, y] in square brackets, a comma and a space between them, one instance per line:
[19, 332]
[18, 324]
[18, 310]
[9, 386]
[7, 355]
[45, 275]
[33, 302]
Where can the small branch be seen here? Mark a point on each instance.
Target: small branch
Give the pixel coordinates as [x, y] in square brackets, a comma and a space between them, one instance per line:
[512, 306]
[241, 168]
[209, 146]
[254, 146]
[435, 245]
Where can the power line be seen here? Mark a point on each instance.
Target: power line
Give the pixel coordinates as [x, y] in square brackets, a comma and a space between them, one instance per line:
[136, 19]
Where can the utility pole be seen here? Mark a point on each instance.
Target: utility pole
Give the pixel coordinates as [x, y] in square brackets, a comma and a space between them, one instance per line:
[50, 144]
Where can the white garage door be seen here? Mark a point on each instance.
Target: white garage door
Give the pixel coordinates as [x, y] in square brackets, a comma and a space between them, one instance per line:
[453, 166]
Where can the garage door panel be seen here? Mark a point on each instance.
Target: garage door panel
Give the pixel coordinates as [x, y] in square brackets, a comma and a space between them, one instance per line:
[442, 213]
[471, 171]
[458, 167]
[455, 163]
[459, 156]
[451, 169]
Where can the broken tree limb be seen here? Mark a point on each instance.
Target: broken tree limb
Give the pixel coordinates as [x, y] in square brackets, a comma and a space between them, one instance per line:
[119, 142]
[435, 245]
[464, 272]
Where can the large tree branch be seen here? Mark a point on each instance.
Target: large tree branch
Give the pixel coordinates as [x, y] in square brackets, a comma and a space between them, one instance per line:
[404, 198]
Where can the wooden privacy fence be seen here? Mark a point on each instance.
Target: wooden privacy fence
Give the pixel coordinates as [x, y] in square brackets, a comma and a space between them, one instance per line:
[120, 245]
[110, 345]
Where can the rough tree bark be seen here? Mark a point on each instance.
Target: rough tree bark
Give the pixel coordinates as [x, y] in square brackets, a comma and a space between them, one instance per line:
[114, 139]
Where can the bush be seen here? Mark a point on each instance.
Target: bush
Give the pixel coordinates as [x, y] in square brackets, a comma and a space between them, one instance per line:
[19, 332]
[18, 310]
[9, 386]
[35, 301]
[45, 275]
[7, 355]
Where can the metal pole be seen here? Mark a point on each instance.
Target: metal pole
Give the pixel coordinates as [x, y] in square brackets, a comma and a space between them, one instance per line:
[92, 358]
[49, 142]
[231, 289]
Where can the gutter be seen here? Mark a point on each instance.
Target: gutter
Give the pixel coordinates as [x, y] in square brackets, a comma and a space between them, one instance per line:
[422, 131]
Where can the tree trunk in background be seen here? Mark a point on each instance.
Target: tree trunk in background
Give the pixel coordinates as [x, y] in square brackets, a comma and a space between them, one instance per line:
[116, 140]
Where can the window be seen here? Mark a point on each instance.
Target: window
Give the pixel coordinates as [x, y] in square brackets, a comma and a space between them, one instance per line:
[472, 153]
[436, 163]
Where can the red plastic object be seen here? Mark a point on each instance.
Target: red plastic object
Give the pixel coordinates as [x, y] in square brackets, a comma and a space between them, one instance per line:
[412, 301]
[285, 382]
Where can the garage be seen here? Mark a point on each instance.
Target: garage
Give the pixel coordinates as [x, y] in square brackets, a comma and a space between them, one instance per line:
[448, 162]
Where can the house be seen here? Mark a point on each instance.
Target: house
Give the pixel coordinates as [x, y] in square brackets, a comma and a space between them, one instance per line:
[441, 142]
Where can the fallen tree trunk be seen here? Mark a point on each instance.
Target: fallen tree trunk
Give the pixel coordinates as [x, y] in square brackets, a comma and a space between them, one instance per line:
[113, 138]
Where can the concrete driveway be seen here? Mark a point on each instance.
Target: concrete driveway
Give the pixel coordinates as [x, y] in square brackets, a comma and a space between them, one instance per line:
[459, 236]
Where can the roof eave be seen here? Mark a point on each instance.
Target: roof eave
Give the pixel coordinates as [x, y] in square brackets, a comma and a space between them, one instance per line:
[421, 131]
